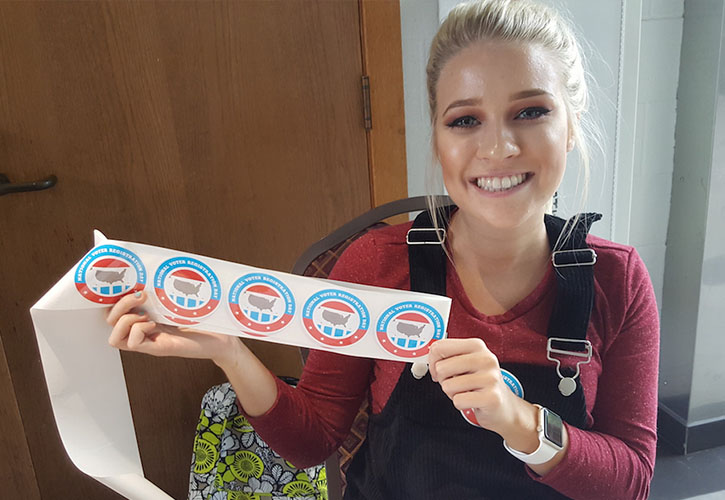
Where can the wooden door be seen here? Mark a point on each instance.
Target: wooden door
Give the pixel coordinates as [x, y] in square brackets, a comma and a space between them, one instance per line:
[231, 129]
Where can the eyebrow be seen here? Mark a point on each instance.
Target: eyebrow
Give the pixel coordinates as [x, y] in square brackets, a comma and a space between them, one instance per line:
[462, 102]
[529, 93]
[513, 97]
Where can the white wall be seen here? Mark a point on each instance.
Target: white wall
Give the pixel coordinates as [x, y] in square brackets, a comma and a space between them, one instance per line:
[419, 22]
[654, 154]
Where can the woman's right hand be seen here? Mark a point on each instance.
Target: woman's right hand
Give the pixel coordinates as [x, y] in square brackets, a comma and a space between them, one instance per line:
[133, 331]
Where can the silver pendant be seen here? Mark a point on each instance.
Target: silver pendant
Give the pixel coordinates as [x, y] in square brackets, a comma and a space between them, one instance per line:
[567, 386]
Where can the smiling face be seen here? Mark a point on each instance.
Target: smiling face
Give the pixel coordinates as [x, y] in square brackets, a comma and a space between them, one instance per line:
[501, 132]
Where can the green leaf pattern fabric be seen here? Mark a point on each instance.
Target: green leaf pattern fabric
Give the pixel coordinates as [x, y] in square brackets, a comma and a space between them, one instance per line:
[231, 462]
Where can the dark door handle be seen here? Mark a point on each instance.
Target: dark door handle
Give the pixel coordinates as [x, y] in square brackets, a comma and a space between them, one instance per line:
[7, 187]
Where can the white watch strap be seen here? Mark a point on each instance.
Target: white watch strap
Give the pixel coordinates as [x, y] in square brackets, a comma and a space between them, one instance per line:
[545, 450]
[541, 455]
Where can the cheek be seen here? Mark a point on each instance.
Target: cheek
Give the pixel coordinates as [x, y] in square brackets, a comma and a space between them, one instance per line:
[453, 152]
[553, 151]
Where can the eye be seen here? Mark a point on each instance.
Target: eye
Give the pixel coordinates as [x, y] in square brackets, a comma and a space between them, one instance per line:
[533, 113]
[464, 122]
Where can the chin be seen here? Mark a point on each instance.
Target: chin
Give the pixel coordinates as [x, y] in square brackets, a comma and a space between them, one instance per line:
[503, 217]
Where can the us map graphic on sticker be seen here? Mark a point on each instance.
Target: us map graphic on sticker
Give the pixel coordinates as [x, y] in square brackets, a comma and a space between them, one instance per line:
[109, 272]
[335, 318]
[408, 329]
[261, 304]
[187, 288]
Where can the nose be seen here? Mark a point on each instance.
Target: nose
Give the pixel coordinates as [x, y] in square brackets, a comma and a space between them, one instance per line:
[497, 143]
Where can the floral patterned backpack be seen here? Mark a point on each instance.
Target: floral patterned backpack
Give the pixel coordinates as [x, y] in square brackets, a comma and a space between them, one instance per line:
[231, 462]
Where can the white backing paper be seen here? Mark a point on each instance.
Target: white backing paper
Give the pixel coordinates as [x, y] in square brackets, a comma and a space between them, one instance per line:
[85, 376]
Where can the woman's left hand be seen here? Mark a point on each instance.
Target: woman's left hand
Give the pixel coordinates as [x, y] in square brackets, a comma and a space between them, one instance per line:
[470, 375]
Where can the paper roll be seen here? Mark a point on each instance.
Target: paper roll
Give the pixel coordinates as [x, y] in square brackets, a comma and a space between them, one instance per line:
[84, 374]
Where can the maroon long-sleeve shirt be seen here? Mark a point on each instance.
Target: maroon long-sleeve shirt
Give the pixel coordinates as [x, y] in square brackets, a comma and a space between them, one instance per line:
[614, 458]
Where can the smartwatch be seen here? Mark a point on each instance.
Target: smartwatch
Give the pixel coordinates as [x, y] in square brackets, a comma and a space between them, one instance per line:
[551, 439]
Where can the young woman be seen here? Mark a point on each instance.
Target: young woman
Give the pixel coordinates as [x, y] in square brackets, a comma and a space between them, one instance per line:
[507, 98]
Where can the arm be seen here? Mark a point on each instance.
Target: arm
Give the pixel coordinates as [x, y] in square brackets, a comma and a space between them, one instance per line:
[132, 331]
[615, 459]
[304, 425]
[307, 424]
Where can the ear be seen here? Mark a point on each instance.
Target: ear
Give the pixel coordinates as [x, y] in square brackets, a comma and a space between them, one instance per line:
[571, 142]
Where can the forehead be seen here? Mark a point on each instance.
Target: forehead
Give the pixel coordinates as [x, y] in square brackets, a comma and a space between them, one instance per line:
[496, 70]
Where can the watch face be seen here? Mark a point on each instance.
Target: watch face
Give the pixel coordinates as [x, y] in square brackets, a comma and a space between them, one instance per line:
[552, 428]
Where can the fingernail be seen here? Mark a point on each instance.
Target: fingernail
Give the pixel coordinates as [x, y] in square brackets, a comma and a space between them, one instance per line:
[142, 312]
[137, 294]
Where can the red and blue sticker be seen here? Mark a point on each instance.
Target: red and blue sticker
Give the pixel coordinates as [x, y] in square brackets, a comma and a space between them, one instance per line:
[187, 288]
[109, 272]
[261, 304]
[408, 329]
[335, 318]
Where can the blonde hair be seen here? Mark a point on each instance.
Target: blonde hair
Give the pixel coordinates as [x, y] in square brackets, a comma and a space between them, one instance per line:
[522, 21]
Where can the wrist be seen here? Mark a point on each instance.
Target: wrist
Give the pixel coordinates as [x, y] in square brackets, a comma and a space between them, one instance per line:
[231, 351]
[552, 443]
[522, 434]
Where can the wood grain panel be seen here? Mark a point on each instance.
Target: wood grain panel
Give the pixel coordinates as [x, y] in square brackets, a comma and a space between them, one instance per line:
[229, 129]
[383, 62]
[17, 476]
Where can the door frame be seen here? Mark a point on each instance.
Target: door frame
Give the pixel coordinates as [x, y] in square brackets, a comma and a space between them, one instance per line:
[382, 58]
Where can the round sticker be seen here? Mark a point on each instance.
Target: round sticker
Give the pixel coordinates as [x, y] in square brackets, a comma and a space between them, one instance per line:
[187, 288]
[409, 329]
[335, 318]
[109, 272]
[261, 303]
[511, 382]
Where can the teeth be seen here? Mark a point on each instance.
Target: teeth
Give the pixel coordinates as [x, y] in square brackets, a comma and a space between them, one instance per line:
[495, 184]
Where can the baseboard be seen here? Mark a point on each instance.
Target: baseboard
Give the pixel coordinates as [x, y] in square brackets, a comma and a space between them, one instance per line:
[684, 438]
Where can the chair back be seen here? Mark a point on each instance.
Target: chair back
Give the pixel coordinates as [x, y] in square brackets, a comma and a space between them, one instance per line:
[318, 261]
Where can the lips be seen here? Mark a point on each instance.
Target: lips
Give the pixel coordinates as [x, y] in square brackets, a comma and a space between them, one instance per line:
[500, 183]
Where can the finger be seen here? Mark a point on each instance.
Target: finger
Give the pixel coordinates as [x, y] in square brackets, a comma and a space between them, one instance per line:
[138, 333]
[466, 363]
[122, 328]
[480, 381]
[445, 348]
[124, 305]
[483, 400]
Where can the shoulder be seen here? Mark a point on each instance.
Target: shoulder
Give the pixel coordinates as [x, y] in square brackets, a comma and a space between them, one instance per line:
[617, 264]
[623, 287]
[379, 257]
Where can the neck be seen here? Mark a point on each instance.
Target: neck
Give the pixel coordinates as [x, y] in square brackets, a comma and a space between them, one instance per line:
[492, 250]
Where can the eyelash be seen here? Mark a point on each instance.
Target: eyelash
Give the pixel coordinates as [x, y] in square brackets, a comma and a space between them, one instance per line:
[458, 122]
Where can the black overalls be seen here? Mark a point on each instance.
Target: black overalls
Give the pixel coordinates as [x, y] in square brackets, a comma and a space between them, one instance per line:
[421, 447]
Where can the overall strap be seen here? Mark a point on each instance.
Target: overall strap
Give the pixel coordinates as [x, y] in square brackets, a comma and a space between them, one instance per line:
[426, 256]
[573, 263]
